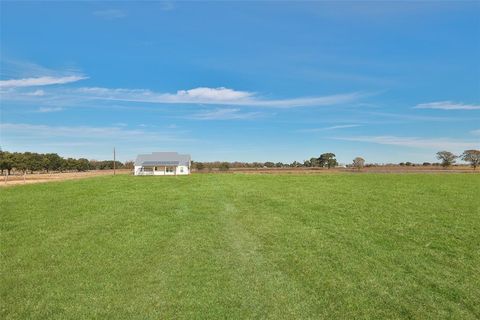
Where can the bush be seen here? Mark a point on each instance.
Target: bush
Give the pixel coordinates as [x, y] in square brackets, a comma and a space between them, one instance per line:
[224, 166]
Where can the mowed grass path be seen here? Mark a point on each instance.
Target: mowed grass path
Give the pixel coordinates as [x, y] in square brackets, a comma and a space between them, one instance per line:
[243, 247]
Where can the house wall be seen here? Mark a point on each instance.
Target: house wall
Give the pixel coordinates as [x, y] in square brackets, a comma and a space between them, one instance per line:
[136, 170]
[180, 170]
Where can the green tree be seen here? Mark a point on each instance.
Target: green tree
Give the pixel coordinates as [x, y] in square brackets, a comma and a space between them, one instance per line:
[83, 164]
[20, 161]
[473, 157]
[447, 158]
[199, 166]
[35, 162]
[6, 161]
[327, 160]
[52, 162]
[224, 166]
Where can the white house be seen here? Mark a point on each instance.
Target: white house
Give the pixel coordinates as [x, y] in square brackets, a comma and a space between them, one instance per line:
[162, 164]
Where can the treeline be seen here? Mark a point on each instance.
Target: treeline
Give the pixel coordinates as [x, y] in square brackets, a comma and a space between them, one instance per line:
[328, 160]
[324, 160]
[47, 162]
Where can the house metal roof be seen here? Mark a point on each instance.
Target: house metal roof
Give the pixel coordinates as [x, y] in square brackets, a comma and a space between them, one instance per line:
[163, 159]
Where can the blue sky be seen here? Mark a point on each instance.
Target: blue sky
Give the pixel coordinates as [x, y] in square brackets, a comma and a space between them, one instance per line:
[241, 81]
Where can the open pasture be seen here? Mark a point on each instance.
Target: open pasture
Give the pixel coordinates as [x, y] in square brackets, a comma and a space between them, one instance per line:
[212, 246]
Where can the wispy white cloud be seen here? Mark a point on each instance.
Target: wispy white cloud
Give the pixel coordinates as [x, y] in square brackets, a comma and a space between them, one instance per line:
[49, 109]
[19, 69]
[475, 132]
[343, 126]
[414, 117]
[110, 14]
[39, 81]
[212, 96]
[226, 114]
[415, 142]
[447, 105]
[36, 93]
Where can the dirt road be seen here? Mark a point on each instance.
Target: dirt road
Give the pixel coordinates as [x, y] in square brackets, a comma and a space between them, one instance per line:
[59, 176]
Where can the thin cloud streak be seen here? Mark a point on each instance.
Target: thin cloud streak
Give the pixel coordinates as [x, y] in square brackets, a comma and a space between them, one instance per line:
[39, 81]
[202, 95]
[49, 109]
[414, 142]
[447, 105]
[411, 117]
[345, 126]
[226, 114]
[110, 14]
[212, 96]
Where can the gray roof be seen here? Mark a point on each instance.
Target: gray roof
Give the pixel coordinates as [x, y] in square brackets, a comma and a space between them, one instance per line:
[163, 159]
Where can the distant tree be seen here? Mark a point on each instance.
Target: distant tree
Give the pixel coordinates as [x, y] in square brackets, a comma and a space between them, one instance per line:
[306, 163]
[6, 161]
[224, 166]
[118, 165]
[269, 164]
[20, 161]
[327, 160]
[295, 164]
[358, 163]
[70, 164]
[52, 162]
[447, 158]
[82, 164]
[31, 161]
[129, 164]
[314, 162]
[278, 164]
[199, 166]
[426, 164]
[473, 157]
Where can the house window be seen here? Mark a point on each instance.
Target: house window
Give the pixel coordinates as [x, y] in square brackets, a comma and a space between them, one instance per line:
[169, 169]
[181, 169]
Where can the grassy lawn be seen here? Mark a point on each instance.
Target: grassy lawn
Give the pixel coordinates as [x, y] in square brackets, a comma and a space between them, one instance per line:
[223, 246]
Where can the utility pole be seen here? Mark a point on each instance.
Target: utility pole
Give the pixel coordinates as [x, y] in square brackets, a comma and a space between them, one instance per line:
[114, 160]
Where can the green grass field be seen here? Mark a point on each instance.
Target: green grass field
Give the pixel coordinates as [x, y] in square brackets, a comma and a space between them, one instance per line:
[338, 246]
